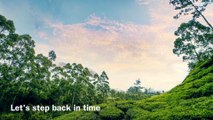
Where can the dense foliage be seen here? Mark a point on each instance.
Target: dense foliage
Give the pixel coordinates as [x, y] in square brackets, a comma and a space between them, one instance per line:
[194, 42]
[191, 100]
[191, 7]
[27, 78]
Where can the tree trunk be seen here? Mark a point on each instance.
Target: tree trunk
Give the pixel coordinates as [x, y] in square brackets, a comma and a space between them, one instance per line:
[202, 15]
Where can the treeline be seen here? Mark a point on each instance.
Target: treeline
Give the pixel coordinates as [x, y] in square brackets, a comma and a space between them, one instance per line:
[27, 78]
[117, 95]
[33, 79]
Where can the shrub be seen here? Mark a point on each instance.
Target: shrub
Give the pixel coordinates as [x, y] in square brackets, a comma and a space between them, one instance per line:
[136, 113]
[124, 106]
[11, 116]
[111, 113]
[78, 115]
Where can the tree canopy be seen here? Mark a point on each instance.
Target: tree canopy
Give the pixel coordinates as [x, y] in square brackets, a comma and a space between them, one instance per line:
[194, 42]
[34, 79]
[193, 7]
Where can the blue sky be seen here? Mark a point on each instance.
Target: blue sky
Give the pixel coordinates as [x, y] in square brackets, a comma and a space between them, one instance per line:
[30, 12]
[29, 15]
[129, 39]
[74, 11]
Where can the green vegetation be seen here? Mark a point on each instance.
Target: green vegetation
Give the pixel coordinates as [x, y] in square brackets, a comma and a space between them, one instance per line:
[111, 113]
[32, 79]
[191, 7]
[193, 99]
[78, 115]
[194, 40]
[193, 43]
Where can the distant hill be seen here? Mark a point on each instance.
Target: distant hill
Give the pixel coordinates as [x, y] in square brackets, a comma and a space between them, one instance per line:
[192, 99]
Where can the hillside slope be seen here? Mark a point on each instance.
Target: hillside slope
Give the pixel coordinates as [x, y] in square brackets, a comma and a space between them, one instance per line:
[192, 99]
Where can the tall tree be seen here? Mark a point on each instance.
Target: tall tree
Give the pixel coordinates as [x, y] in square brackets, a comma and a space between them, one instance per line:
[30, 79]
[6, 26]
[194, 7]
[102, 85]
[52, 55]
[136, 89]
[194, 42]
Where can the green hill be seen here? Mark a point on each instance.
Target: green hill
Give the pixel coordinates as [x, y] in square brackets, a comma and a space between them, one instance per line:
[192, 99]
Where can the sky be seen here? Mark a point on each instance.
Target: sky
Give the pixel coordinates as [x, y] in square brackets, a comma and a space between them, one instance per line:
[129, 39]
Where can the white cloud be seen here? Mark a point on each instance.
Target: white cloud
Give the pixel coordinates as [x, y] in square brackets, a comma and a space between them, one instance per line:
[126, 51]
[143, 2]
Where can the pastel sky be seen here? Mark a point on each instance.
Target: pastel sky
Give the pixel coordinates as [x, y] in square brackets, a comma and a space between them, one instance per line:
[129, 39]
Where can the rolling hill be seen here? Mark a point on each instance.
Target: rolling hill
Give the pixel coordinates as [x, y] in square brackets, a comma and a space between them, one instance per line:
[192, 99]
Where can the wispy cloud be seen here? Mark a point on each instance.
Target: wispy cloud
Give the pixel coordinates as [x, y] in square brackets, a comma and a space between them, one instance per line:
[124, 49]
[127, 51]
[142, 2]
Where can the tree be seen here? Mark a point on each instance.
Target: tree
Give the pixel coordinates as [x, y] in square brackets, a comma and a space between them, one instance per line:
[136, 89]
[6, 26]
[194, 42]
[194, 7]
[16, 63]
[27, 78]
[102, 85]
[137, 85]
[52, 55]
